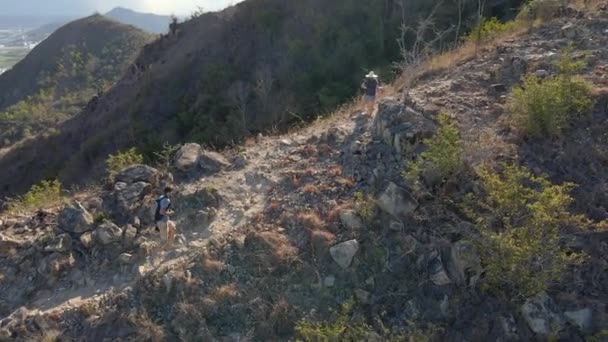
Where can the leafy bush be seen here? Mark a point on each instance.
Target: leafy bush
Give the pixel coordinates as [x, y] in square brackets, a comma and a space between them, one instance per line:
[121, 160]
[340, 329]
[520, 216]
[537, 11]
[365, 206]
[489, 29]
[444, 155]
[40, 195]
[546, 107]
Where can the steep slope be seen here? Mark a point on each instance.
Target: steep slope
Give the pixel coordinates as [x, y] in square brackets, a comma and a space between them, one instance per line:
[281, 242]
[222, 76]
[60, 75]
[149, 22]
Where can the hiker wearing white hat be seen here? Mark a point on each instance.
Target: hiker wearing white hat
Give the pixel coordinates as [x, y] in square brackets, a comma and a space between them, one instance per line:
[370, 85]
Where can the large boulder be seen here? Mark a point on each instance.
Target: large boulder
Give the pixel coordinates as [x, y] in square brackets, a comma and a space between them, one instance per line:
[188, 156]
[542, 315]
[581, 318]
[213, 162]
[343, 253]
[108, 233]
[75, 219]
[138, 173]
[397, 201]
[61, 243]
[401, 126]
[134, 193]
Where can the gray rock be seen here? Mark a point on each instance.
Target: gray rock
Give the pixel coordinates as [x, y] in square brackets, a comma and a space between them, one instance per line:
[350, 219]
[61, 243]
[213, 162]
[363, 296]
[135, 192]
[437, 273]
[400, 126]
[108, 233]
[570, 31]
[464, 264]
[542, 315]
[125, 258]
[397, 201]
[582, 318]
[138, 173]
[541, 73]
[344, 252]
[188, 156]
[130, 234]
[86, 239]
[329, 281]
[75, 219]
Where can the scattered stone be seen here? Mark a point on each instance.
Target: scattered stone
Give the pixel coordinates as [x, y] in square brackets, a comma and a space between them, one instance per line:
[188, 157]
[130, 234]
[75, 219]
[86, 240]
[582, 318]
[61, 244]
[498, 88]
[138, 173]
[363, 296]
[108, 233]
[541, 73]
[344, 252]
[437, 272]
[329, 281]
[397, 226]
[213, 162]
[542, 315]
[397, 201]
[570, 31]
[370, 282]
[135, 192]
[350, 219]
[8, 246]
[94, 203]
[125, 258]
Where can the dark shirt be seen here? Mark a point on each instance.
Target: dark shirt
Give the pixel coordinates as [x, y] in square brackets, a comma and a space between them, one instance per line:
[371, 85]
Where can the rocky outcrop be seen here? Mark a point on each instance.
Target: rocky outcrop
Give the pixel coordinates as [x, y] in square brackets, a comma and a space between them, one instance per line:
[138, 173]
[188, 156]
[75, 219]
[212, 162]
[344, 252]
[397, 201]
[108, 233]
[401, 126]
[542, 315]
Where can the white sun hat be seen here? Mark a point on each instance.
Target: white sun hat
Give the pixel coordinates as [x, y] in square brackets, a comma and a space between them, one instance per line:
[371, 74]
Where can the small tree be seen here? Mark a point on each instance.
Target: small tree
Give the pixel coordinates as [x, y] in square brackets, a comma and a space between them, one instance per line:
[520, 216]
[444, 154]
[121, 160]
[546, 107]
[47, 193]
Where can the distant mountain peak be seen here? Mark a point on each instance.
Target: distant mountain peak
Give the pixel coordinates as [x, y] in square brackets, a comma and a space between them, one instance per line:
[146, 21]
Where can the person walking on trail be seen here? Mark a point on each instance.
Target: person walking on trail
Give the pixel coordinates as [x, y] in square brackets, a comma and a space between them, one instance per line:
[161, 217]
[371, 84]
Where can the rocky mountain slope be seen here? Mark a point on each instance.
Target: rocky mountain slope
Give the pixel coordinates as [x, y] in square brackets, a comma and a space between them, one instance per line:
[200, 82]
[61, 75]
[317, 231]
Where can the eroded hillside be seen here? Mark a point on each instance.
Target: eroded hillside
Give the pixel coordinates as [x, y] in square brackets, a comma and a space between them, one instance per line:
[317, 234]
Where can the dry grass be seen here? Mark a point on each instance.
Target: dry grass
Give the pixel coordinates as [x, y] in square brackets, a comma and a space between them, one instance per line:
[321, 241]
[212, 266]
[334, 214]
[345, 182]
[46, 336]
[335, 171]
[147, 329]
[225, 293]
[311, 189]
[311, 221]
[282, 317]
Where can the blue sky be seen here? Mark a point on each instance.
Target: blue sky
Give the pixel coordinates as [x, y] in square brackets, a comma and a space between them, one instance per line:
[83, 7]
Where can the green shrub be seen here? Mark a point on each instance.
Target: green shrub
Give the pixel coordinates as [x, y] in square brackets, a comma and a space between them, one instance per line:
[340, 329]
[520, 216]
[444, 155]
[546, 107]
[45, 194]
[489, 29]
[365, 206]
[121, 160]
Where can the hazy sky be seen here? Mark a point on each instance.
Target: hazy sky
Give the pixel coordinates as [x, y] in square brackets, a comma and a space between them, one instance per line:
[82, 7]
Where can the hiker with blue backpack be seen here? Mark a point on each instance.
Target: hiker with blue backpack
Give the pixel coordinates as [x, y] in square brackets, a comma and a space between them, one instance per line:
[161, 217]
